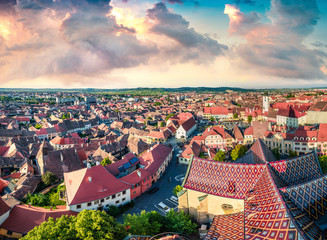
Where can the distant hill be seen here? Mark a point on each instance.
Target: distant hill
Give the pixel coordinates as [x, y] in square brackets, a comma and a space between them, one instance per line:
[134, 91]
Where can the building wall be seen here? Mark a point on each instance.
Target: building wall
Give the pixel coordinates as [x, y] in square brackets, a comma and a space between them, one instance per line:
[116, 199]
[3, 217]
[314, 117]
[141, 187]
[212, 205]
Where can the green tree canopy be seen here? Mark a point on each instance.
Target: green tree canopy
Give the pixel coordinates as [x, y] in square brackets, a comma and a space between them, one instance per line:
[139, 224]
[49, 178]
[235, 115]
[177, 189]
[220, 156]
[162, 124]
[180, 222]
[151, 223]
[88, 224]
[105, 161]
[38, 126]
[276, 153]
[249, 118]
[292, 154]
[323, 163]
[238, 151]
[212, 119]
[169, 116]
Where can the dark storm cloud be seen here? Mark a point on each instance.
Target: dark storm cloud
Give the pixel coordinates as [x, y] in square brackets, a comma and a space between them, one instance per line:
[319, 44]
[193, 45]
[196, 3]
[276, 48]
[250, 2]
[295, 16]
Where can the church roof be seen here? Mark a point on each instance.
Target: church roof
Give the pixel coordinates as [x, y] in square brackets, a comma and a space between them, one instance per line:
[282, 199]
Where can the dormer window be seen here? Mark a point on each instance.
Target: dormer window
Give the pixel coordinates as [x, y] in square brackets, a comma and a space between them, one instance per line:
[301, 138]
[296, 138]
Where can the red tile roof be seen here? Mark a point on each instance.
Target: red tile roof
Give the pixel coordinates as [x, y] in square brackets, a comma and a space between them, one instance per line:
[155, 157]
[134, 177]
[188, 124]
[113, 167]
[23, 218]
[90, 184]
[3, 185]
[3, 207]
[322, 132]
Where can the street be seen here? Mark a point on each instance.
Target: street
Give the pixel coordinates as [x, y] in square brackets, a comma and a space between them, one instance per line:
[149, 201]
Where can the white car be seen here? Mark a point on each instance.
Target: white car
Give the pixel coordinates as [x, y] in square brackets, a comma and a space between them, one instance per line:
[174, 199]
[164, 207]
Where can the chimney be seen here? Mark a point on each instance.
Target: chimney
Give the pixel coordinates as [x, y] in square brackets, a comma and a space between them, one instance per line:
[90, 179]
[138, 173]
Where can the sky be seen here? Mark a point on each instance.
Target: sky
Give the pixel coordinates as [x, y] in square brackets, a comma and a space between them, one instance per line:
[163, 43]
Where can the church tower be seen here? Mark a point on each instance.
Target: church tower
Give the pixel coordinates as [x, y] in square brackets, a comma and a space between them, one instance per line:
[265, 105]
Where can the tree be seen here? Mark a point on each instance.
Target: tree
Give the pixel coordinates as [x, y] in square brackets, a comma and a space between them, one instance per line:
[105, 161]
[180, 222]
[212, 119]
[220, 156]
[169, 116]
[177, 189]
[323, 163]
[36, 199]
[276, 153]
[49, 178]
[139, 224]
[292, 154]
[238, 151]
[88, 224]
[162, 124]
[235, 115]
[38, 126]
[249, 118]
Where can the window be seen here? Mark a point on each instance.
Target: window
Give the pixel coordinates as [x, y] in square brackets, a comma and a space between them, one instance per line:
[107, 198]
[78, 206]
[96, 202]
[123, 199]
[9, 232]
[102, 200]
[124, 192]
[89, 204]
[117, 201]
[114, 196]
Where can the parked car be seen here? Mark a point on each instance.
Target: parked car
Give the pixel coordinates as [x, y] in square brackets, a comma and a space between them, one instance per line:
[164, 207]
[153, 189]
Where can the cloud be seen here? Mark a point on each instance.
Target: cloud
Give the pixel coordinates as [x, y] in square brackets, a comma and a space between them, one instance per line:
[250, 2]
[71, 37]
[81, 39]
[191, 44]
[196, 3]
[276, 47]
